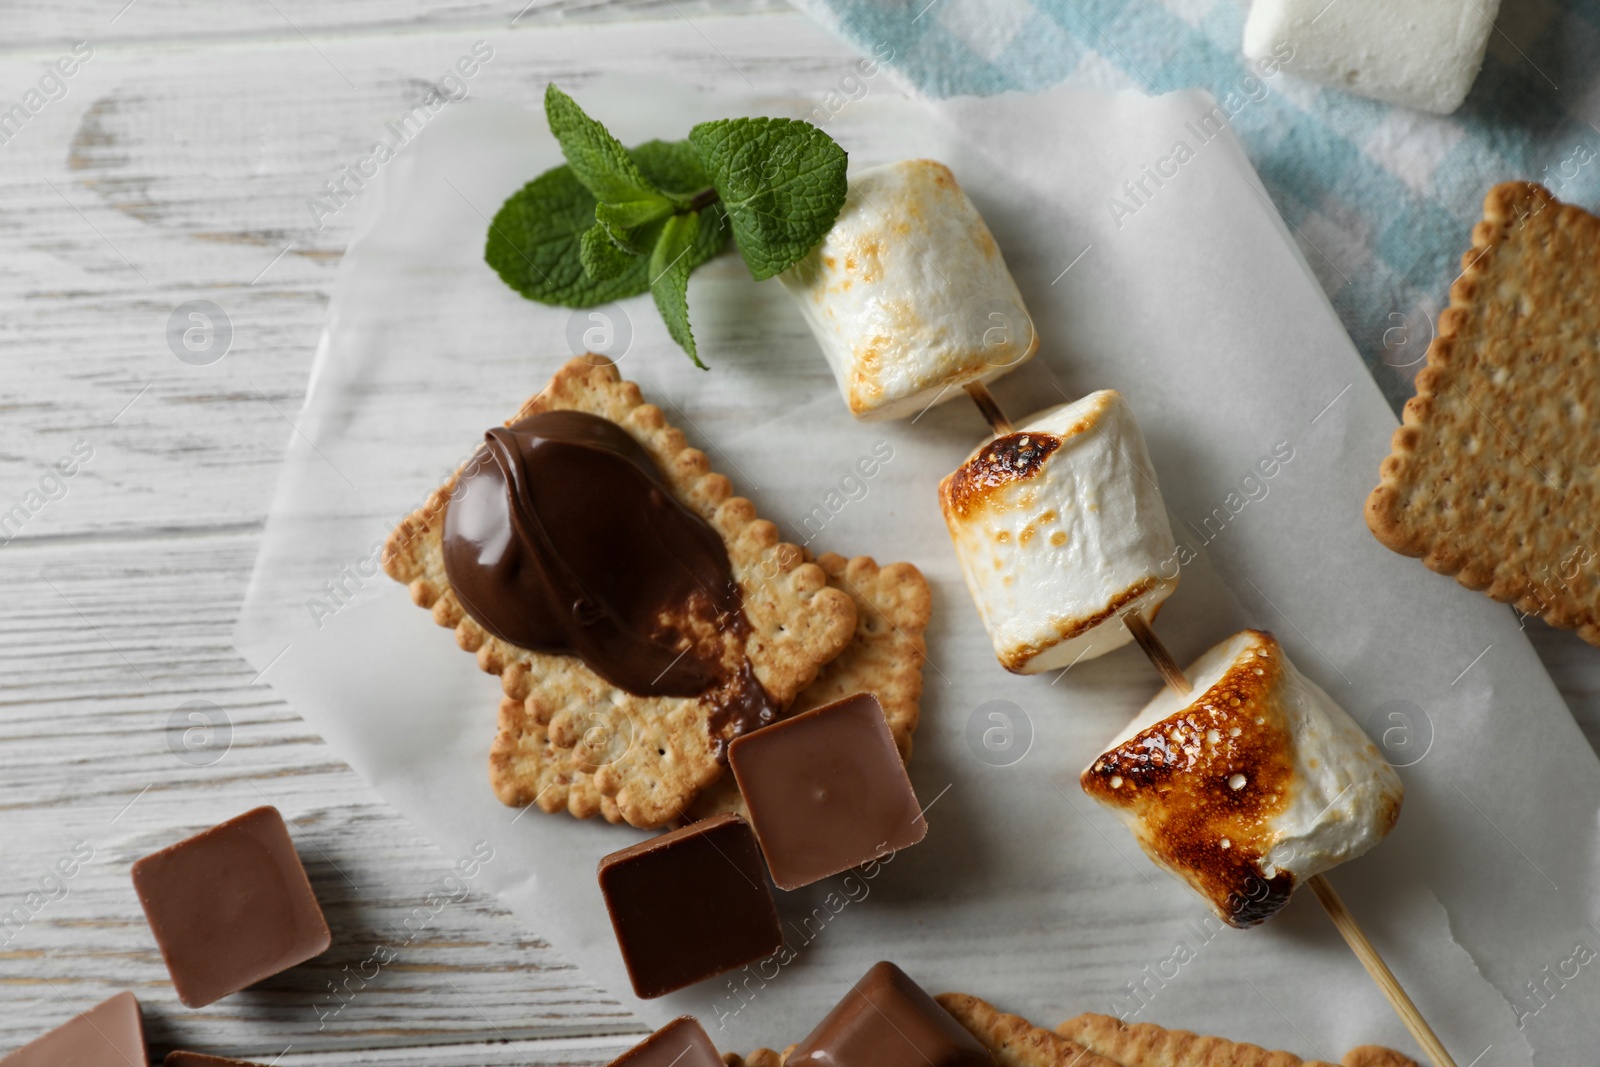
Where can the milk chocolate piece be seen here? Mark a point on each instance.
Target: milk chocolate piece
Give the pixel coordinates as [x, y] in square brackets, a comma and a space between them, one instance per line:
[826, 791]
[690, 904]
[230, 906]
[680, 1043]
[110, 1034]
[178, 1058]
[886, 1020]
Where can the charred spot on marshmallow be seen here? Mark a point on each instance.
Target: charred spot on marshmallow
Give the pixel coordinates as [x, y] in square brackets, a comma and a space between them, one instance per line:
[1017, 457]
[1007, 459]
[1218, 771]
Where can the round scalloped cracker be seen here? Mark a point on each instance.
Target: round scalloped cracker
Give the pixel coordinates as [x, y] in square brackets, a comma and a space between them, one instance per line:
[893, 606]
[567, 738]
[1494, 474]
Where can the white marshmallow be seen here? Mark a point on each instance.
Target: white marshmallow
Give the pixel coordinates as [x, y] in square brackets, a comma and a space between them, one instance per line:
[1060, 528]
[1422, 54]
[908, 293]
[1250, 784]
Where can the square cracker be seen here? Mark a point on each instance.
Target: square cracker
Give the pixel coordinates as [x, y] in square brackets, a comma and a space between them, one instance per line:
[1101, 1041]
[569, 739]
[893, 605]
[1148, 1045]
[1015, 1042]
[1012, 1040]
[1492, 474]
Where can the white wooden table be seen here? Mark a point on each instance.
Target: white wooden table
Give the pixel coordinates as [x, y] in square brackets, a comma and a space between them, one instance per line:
[177, 166]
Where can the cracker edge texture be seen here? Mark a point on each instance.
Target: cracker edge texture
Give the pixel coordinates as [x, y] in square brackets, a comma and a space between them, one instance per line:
[1015, 1042]
[1149, 1045]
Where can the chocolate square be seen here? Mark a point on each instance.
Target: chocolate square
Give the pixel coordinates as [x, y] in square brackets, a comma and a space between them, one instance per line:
[110, 1034]
[826, 791]
[887, 1020]
[178, 1058]
[690, 904]
[680, 1043]
[230, 906]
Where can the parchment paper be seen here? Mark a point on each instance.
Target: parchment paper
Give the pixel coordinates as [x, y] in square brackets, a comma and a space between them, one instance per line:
[1197, 306]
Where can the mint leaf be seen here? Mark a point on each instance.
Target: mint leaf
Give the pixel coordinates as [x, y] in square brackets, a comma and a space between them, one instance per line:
[618, 219]
[669, 278]
[597, 159]
[674, 167]
[534, 245]
[601, 257]
[534, 242]
[782, 182]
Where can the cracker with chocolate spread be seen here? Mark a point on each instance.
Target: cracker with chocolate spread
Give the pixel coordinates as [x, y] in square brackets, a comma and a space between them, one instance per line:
[1491, 473]
[893, 605]
[568, 738]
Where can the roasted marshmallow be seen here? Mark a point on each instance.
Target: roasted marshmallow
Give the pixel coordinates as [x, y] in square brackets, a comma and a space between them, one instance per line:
[908, 293]
[1249, 784]
[1061, 530]
[1422, 54]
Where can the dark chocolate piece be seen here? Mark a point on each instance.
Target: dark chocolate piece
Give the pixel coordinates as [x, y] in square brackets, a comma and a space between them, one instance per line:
[690, 904]
[178, 1058]
[110, 1034]
[230, 906]
[887, 1020]
[826, 791]
[680, 1043]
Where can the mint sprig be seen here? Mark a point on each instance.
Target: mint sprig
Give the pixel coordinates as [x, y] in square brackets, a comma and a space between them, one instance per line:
[615, 222]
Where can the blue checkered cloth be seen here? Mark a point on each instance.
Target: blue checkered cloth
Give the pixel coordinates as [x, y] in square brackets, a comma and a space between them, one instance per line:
[1381, 199]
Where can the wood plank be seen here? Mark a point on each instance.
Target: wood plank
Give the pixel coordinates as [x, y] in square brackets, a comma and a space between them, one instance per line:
[43, 28]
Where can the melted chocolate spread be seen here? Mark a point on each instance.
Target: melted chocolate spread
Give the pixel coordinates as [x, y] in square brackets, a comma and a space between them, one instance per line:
[562, 536]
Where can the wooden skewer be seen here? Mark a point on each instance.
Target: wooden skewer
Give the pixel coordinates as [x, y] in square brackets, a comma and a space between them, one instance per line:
[1343, 921]
[1398, 999]
[1165, 665]
[990, 408]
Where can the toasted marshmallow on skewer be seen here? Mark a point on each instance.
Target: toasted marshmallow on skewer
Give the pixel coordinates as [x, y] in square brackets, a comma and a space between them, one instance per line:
[908, 293]
[1060, 529]
[1249, 784]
